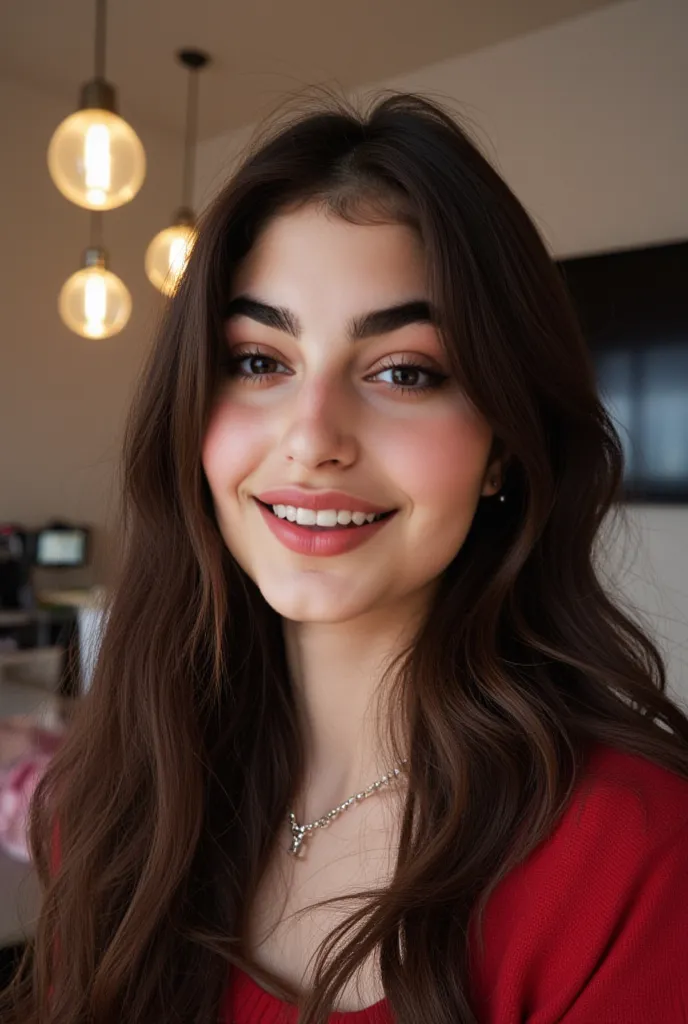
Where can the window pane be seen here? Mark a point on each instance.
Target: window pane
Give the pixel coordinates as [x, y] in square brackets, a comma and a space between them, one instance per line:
[663, 414]
[614, 375]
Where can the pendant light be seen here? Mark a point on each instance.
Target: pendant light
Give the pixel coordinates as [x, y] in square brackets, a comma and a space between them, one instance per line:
[95, 158]
[168, 253]
[94, 302]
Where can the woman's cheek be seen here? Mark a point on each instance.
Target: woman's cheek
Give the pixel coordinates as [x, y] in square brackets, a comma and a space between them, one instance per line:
[234, 437]
[440, 461]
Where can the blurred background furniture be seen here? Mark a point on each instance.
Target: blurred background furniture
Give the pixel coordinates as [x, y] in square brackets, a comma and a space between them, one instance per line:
[46, 655]
[39, 701]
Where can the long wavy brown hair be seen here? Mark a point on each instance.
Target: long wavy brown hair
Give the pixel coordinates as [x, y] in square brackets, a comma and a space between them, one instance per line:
[182, 759]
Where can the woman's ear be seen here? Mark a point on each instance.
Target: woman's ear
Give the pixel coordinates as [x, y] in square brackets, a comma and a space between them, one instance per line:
[493, 479]
[496, 468]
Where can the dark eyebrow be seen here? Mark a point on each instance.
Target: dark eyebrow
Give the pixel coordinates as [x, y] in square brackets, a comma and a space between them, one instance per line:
[270, 316]
[381, 321]
[384, 321]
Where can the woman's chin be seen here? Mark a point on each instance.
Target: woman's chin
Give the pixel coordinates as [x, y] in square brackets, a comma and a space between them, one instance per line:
[311, 597]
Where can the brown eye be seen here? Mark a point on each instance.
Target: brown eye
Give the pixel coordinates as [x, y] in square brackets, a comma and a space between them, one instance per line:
[405, 376]
[260, 364]
[410, 378]
[253, 365]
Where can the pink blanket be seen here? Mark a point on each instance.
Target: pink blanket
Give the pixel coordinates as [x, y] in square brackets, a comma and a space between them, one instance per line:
[25, 752]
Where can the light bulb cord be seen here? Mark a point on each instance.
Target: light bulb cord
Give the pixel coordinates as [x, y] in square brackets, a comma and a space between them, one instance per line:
[101, 26]
[96, 229]
[190, 141]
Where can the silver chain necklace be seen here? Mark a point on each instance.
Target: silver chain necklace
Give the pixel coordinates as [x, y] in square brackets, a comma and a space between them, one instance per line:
[301, 832]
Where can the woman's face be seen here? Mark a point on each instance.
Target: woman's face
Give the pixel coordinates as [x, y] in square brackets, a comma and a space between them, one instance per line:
[337, 382]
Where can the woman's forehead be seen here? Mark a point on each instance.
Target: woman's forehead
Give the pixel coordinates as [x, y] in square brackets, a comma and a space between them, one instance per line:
[312, 257]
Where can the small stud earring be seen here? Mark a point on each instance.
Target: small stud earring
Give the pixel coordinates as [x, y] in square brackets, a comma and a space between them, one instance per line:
[495, 483]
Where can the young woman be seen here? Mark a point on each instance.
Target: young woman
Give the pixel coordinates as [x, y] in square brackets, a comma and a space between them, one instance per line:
[364, 481]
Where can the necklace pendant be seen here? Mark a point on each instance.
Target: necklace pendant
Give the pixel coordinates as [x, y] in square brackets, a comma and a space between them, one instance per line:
[298, 834]
[301, 832]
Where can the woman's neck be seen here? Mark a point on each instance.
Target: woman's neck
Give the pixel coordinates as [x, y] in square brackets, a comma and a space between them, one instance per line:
[343, 701]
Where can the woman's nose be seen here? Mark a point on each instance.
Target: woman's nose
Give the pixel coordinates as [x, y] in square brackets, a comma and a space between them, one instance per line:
[321, 424]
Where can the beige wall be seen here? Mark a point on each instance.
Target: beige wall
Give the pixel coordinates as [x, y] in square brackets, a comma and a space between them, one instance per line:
[62, 398]
[587, 122]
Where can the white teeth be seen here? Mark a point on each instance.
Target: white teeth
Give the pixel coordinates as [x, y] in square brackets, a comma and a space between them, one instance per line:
[305, 516]
[324, 517]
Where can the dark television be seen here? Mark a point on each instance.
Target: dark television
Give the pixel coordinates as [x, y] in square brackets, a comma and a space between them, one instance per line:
[633, 307]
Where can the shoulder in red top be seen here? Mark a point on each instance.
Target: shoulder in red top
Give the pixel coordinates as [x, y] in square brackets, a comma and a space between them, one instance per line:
[593, 927]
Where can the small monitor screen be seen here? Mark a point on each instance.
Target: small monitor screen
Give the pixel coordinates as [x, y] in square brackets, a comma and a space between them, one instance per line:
[61, 547]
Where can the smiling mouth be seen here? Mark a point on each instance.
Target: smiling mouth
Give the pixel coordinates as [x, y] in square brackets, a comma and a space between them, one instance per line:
[325, 529]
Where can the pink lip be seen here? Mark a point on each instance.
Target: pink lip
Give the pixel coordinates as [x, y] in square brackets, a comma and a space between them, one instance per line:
[319, 500]
[307, 541]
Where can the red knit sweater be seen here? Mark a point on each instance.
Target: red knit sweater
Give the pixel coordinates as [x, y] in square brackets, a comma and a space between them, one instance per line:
[592, 928]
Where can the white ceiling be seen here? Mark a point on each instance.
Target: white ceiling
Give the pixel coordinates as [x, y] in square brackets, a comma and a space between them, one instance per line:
[261, 49]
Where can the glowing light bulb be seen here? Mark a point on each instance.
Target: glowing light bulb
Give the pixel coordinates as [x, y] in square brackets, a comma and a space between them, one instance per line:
[167, 256]
[96, 159]
[94, 302]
